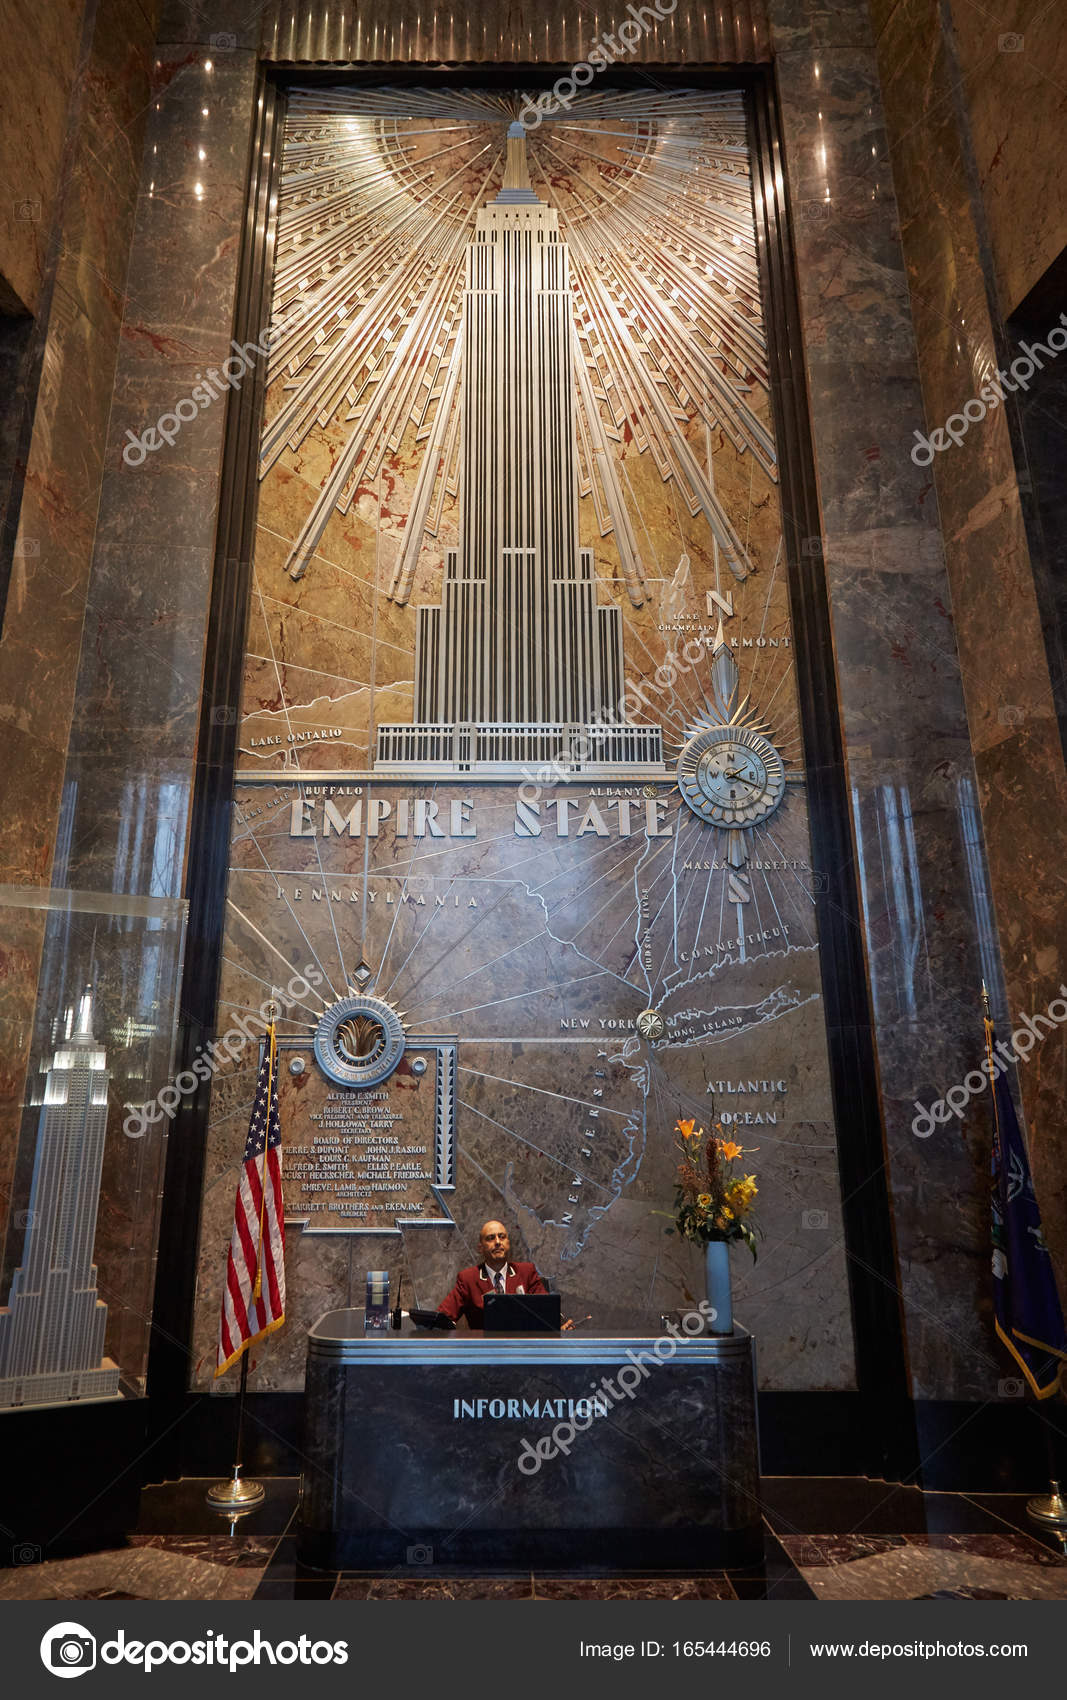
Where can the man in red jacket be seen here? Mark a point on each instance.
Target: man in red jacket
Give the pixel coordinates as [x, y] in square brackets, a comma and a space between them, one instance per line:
[494, 1272]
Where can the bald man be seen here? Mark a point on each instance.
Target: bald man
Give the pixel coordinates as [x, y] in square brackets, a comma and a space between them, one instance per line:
[494, 1273]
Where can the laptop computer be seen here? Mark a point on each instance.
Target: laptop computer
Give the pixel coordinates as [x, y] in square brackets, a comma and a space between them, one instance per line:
[523, 1313]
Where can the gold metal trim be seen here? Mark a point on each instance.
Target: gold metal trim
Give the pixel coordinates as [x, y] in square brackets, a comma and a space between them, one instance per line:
[519, 32]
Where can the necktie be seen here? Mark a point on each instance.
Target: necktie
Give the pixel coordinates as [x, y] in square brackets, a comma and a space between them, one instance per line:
[499, 1278]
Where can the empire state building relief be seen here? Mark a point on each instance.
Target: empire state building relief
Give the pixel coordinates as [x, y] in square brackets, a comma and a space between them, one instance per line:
[519, 664]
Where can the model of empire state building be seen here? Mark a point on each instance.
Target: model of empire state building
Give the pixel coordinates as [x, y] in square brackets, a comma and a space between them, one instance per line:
[519, 664]
[52, 1331]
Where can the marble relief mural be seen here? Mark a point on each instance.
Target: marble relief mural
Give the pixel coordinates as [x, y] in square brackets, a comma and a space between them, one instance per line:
[521, 786]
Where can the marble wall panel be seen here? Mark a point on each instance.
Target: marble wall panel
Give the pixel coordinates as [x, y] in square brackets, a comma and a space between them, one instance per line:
[224, 26]
[137, 704]
[957, 235]
[179, 307]
[141, 663]
[1012, 60]
[807, 25]
[1044, 417]
[38, 80]
[902, 705]
[79, 329]
[20, 955]
[46, 598]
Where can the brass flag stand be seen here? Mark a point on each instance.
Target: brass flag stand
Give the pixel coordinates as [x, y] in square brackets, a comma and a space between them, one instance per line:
[235, 1495]
[1049, 1510]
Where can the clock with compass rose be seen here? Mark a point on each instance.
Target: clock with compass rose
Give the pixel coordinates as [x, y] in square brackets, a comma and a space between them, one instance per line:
[731, 776]
[729, 768]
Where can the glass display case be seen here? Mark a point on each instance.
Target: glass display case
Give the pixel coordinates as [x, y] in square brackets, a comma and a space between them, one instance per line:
[89, 987]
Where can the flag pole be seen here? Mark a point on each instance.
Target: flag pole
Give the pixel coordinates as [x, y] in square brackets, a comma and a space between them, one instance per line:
[235, 1495]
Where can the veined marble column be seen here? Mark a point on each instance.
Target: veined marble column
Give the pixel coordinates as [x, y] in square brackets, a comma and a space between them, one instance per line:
[911, 776]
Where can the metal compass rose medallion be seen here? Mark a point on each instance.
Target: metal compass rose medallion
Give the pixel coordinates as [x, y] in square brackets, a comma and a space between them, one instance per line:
[359, 1040]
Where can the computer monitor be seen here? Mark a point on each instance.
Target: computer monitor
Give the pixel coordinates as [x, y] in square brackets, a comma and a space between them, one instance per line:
[523, 1313]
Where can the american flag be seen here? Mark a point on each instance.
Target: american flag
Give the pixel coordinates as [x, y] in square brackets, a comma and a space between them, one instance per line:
[253, 1302]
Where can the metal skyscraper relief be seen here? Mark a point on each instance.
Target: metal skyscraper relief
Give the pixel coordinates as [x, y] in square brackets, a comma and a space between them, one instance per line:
[520, 664]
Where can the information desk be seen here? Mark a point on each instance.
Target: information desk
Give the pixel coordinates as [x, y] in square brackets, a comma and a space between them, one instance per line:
[514, 1450]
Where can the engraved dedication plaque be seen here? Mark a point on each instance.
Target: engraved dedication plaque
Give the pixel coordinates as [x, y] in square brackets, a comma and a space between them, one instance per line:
[373, 1158]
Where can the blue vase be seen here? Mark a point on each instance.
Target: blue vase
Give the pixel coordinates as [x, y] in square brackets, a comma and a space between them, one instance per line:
[717, 1277]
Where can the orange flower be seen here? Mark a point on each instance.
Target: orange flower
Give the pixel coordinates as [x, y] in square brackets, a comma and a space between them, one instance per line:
[729, 1148]
[686, 1129]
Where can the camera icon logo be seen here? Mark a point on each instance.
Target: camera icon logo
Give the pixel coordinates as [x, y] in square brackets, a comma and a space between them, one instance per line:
[68, 1650]
[814, 1219]
[224, 42]
[224, 715]
[1012, 42]
[1011, 1387]
[420, 1554]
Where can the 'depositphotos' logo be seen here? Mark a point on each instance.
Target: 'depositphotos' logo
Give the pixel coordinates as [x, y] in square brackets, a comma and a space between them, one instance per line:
[68, 1650]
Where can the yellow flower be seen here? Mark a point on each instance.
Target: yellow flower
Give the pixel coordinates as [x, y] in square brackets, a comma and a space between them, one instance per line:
[704, 1200]
[729, 1149]
[686, 1129]
[742, 1192]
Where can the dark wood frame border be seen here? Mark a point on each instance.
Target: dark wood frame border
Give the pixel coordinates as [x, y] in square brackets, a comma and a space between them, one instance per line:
[886, 1443]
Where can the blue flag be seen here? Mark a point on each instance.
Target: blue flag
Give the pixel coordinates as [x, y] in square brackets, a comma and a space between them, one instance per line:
[1029, 1319]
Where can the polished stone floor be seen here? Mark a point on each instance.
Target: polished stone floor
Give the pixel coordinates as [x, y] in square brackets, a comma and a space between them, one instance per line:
[830, 1538]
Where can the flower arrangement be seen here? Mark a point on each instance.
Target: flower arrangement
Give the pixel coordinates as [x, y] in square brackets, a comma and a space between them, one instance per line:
[711, 1202]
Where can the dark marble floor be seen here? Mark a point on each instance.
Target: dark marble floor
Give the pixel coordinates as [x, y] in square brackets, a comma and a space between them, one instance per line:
[825, 1538]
